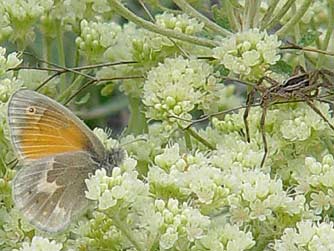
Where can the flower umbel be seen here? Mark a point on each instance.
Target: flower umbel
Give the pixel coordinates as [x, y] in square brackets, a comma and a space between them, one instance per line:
[248, 53]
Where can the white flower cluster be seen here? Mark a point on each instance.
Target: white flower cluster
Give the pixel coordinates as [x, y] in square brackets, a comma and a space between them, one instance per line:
[176, 87]
[249, 53]
[40, 244]
[96, 37]
[108, 142]
[21, 15]
[299, 126]
[317, 179]
[185, 175]
[177, 221]
[256, 196]
[226, 237]
[181, 23]
[307, 236]
[8, 84]
[122, 189]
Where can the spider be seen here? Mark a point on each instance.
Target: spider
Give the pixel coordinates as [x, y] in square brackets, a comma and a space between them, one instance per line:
[302, 85]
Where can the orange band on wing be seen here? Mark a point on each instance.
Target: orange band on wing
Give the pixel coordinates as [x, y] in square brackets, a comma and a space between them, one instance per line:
[38, 137]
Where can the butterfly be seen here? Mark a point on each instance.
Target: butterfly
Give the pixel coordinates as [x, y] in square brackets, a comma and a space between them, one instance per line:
[57, 152]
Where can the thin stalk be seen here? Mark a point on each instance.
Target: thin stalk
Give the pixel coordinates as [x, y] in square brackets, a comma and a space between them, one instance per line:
[297, 36]
[275, 20]
[47, 49]
[229, 10]
[187, 8]
[66, 93]
[245, 24]
[329, 32]
[195, 135]
[128, 234]
[187, 140]
[127, 14]
[253, 8]
[295, 19]
[137, 122]
[61, 55]
[269, 13]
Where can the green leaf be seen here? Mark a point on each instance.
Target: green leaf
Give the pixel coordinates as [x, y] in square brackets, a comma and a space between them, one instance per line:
[281, 67]
[84, 99]
[222, 70]
[220, 18]
[107, 90]
[309, 38]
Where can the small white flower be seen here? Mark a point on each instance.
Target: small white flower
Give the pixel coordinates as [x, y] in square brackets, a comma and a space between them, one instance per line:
[41, 244]
[248, 53]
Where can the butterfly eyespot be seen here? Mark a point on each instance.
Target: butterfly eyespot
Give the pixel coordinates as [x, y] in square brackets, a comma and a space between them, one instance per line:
[31, 110]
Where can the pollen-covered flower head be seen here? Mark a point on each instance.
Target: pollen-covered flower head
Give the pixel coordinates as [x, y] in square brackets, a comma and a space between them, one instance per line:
[307, 234]
[97, 37]
[249, 53]
[182, 23]
[176, 87]
[40, 244]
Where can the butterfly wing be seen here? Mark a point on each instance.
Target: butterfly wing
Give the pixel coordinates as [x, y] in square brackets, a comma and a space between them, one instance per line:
[51, 191]
[41, 127]
[57, 151]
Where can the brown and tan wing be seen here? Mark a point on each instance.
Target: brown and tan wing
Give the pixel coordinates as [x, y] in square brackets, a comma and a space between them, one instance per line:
[41, 127]
[51, 191]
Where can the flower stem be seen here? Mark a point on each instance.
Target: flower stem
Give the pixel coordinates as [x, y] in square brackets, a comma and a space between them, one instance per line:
[194, 134]
[229, 10]
[61, 55]
[127, 14]
[329, 32]
[187, 8]
[295, 19]
[137, 122]
[275, 20]
[66, 93]
[251, 13]
[269, 13]
[125, 230]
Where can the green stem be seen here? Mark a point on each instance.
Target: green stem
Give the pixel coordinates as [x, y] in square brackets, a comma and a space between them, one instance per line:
[195, 135]
[47, 50]
[61, 55]
[275, 20]
[187, 8]
[127, 14]
[187, 140]
[66, 93]
[253, 8]
[329, 32]
[229, 10]
[297, 38]
[126, 231]
[269, 13]
[245, 24]
[295, 19]
[137, 122]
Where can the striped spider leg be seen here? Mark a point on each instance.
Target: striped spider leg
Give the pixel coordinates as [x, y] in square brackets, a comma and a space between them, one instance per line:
[303, 86]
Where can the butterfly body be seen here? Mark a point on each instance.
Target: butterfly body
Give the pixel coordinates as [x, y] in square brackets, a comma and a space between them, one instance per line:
[57, 153]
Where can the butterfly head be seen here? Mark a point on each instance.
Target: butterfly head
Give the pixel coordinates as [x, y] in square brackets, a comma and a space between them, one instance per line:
[114, 157]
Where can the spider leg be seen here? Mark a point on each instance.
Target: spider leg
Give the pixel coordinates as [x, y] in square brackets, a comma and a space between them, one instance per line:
[298, 69]
[249, 101]
[316, 109]
[263, 132]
